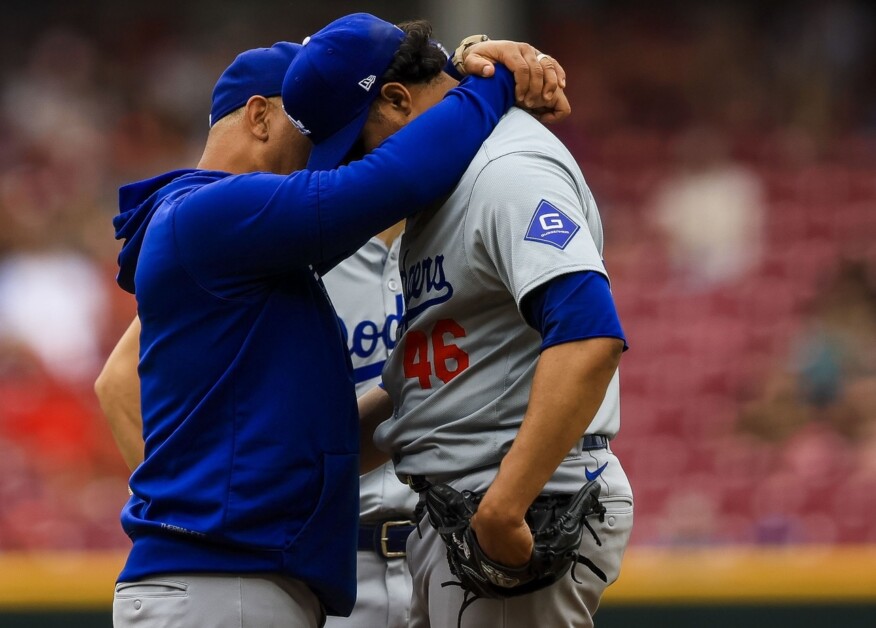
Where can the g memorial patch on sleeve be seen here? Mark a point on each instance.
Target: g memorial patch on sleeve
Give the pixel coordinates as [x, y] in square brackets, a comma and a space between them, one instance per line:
[551, 226]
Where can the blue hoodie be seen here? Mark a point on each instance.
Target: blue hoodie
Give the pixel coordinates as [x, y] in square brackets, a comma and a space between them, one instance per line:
[249, 410]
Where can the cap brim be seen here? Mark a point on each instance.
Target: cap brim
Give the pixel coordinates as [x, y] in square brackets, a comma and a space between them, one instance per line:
[330, 153]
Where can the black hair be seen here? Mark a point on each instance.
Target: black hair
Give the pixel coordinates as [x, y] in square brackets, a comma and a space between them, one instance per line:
[419, 59]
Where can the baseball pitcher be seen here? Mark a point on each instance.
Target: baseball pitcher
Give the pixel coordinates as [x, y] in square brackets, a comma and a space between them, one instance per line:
[504, 382]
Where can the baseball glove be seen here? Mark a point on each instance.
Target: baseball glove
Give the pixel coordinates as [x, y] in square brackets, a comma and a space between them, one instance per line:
[557, 524]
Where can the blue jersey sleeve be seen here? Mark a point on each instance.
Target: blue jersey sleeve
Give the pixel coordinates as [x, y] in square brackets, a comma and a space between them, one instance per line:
[259, 223]
[573, 307]
[413, 168]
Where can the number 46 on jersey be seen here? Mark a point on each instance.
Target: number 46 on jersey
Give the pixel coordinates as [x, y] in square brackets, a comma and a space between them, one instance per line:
[434, 353]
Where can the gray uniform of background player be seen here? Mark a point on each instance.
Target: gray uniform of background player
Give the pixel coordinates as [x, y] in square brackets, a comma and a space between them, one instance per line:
[465, 269]
[366, 292]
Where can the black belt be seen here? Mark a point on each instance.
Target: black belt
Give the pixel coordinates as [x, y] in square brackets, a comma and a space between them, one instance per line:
[594, 441]
[589, 442]
[386, 538]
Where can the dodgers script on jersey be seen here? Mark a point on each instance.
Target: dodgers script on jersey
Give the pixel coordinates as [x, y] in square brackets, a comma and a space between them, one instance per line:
[370, 325]
[461, 375]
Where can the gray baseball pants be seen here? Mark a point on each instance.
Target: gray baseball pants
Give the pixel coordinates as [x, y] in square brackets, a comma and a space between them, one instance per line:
[216, 600]
[565, 604]
[383, 598]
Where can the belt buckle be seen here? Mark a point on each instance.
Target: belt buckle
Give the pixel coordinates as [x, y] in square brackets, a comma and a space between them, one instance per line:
[417, 483]
[384, 537]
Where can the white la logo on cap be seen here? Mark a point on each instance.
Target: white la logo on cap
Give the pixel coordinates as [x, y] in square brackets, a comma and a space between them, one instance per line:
[367, 82]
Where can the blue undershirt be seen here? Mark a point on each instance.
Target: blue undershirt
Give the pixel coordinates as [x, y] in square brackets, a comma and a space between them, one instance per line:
[573, 307]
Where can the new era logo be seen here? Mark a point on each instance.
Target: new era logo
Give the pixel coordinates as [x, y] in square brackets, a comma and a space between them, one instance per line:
[367, 82]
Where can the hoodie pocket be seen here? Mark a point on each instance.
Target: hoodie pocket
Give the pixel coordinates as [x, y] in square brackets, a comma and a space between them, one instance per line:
[336, 514]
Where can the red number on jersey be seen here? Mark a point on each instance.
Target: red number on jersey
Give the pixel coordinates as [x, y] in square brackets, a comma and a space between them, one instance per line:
[444, 352]
[417, 358]
[417, 363]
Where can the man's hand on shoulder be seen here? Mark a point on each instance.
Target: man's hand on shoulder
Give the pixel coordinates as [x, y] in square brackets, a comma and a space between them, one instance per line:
[540, 79]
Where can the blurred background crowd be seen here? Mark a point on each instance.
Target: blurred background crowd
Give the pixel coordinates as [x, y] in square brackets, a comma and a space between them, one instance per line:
[731, 147]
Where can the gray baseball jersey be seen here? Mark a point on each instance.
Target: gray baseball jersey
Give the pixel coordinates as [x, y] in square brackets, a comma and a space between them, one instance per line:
[460, 378]
[461, 375]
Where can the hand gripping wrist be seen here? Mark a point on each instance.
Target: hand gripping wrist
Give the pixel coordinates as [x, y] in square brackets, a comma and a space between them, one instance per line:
[465, 44]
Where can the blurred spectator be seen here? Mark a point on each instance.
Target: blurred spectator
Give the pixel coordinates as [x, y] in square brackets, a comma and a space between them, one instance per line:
[55, 303]
[711, 212]
[818, 409]
[831, 375]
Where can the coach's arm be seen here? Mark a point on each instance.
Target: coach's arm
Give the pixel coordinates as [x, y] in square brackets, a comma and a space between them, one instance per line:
[118, 390]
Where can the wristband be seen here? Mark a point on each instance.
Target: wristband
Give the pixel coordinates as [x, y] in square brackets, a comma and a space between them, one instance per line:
[465, 44]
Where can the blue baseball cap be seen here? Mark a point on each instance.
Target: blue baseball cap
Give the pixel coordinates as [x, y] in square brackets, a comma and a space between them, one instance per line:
[256, 72]
[330, 86]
